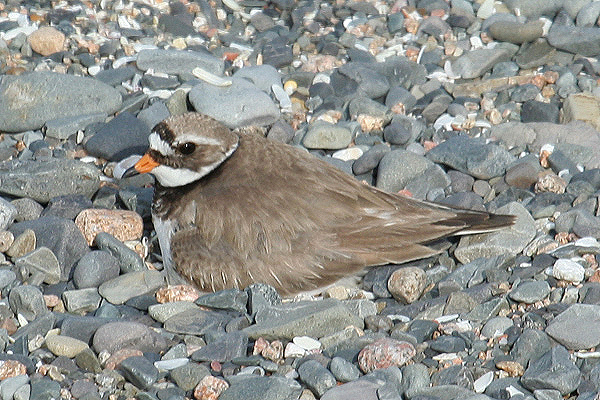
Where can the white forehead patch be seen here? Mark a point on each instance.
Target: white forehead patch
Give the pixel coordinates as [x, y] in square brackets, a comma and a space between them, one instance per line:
[156, 143]
[199, 140]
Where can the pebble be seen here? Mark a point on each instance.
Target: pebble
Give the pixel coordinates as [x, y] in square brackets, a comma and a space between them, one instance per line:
[568, 270]
[44, 180]
[384, 353]
[407, 284]
[124, 287]
[95, 268]
[57, 96]
[65, 346]
[324, 135]
[210, 388]
[484, 105]
[123, 225]
[114, 336]
[316, 377]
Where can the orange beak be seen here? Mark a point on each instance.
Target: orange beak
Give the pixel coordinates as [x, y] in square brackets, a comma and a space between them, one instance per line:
[145, 164]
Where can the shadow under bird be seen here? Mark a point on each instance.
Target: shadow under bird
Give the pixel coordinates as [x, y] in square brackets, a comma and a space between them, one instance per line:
[232, 208]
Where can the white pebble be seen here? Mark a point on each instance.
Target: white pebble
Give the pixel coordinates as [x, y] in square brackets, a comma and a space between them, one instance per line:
[568, 270]
[168, 365]
[307, 343]
[587, 241]
[348, 154]
[293, 350]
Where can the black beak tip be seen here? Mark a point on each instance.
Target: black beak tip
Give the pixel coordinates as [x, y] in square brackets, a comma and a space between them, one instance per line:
[131, 171]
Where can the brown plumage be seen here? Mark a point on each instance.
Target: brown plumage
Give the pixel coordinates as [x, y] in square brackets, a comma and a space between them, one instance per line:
[235, 208]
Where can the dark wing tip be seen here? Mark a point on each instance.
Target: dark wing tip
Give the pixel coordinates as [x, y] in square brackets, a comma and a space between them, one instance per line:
[469, 222]
[483, 222]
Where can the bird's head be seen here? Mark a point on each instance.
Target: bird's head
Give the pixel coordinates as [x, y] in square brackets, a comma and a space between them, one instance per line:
[186, 147]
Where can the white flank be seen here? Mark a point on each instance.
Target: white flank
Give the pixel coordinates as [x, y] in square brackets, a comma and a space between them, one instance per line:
[156, 143]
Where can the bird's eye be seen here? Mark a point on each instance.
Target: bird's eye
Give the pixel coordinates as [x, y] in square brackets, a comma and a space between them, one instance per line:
[187, 148]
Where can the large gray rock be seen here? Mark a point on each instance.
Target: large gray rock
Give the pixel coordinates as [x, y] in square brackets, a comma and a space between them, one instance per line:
[577, 328]
[313, 318]
[43, 180]
[475, 63]
[575, 39]
[505, 241]
[240, 104]
[28, 101]
[472, 156]
[61, 236]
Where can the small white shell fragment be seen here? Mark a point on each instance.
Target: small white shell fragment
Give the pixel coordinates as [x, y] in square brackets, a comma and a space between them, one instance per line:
[211, 78]
[547, 147]
[123, 165]
[483, 382]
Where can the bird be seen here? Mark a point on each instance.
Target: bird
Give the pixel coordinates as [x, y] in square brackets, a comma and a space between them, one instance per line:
[232, 207]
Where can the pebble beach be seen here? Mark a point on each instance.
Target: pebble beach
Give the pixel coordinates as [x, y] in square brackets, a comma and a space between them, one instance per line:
[483, 104]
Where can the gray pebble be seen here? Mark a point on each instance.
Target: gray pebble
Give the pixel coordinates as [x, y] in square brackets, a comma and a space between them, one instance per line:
[94, 268]
[343, 370]
[140, 371]
[28, 301]
[316, 377]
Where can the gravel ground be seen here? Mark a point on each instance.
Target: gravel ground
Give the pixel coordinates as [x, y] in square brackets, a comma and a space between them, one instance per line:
[489, 105]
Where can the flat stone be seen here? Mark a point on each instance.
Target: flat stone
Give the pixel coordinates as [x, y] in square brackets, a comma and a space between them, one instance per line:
[131, 284]
[28, 301]
[28, 101]
[582, 107]
[230, 346]
[240, 104]
[196, 321]
[509, 240]
[178, 62]
[129, 260]
[398, 168]
[554, 370]
[475, 63]
[140, 371]
[65, 346]
[576, 328]
[62, 128]
[471, 156]
[250, 387]
[515, 32]
[43, 180]
[128, 335]
[574, 39]
[81, 301]
[121, 137]
[314, 319]
[324, 135]
[530, 292]
[59, 235]
[41, 265]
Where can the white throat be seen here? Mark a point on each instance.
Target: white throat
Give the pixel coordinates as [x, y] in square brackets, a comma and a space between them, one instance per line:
[172, 177]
